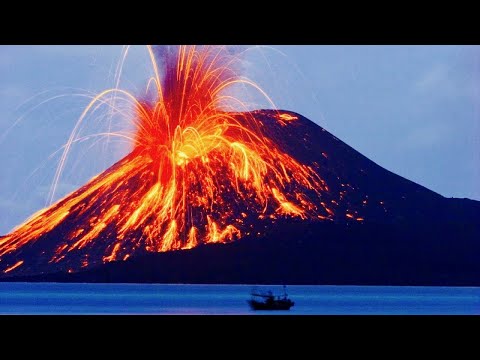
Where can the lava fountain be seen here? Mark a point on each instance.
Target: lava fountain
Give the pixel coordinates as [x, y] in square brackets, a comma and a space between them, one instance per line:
[199, 172]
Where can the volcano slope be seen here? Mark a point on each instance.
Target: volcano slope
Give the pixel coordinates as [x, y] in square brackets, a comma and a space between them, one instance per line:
[338, 219]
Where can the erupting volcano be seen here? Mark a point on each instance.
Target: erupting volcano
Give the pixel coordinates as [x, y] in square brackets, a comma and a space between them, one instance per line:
[202, 170]
[198, 173]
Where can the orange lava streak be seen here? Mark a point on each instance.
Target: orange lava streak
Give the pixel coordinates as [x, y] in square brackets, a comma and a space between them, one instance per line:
[19, 263]
[100, 224]
[113, 255]
[216, 235]
[284, 118]
[34, 228]
[286, 207]
[192, 238]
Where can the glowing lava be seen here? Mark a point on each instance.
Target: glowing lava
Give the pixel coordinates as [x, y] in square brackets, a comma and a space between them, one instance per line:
[198, 173]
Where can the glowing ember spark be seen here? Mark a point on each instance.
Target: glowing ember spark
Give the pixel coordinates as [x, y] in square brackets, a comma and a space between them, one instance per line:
[284, 118]
[7, 270]
[199, 172]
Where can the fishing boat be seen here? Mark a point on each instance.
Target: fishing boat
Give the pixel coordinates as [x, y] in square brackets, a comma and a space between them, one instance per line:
[269, 301]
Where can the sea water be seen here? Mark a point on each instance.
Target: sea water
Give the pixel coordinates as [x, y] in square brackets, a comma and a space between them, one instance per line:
[180, 299]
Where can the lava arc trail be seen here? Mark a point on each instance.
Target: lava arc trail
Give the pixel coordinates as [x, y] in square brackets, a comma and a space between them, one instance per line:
[198, 172]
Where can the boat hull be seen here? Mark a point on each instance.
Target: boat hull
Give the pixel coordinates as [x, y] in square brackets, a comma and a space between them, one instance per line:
[277, 305]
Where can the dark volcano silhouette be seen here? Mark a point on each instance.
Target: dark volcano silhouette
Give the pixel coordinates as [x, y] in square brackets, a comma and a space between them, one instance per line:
[382, 229]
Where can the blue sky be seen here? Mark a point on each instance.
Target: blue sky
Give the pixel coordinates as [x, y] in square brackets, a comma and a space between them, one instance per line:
[414, 110]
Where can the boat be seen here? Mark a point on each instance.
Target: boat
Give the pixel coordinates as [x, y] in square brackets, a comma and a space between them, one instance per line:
[268, 301]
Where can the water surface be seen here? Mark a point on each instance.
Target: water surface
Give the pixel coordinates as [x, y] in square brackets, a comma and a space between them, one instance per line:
[59, 298]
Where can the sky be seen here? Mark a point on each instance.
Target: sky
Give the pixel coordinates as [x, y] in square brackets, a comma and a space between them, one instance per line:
[414, 110]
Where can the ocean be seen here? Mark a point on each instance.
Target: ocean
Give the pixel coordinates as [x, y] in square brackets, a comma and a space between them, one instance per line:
[180, 299]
